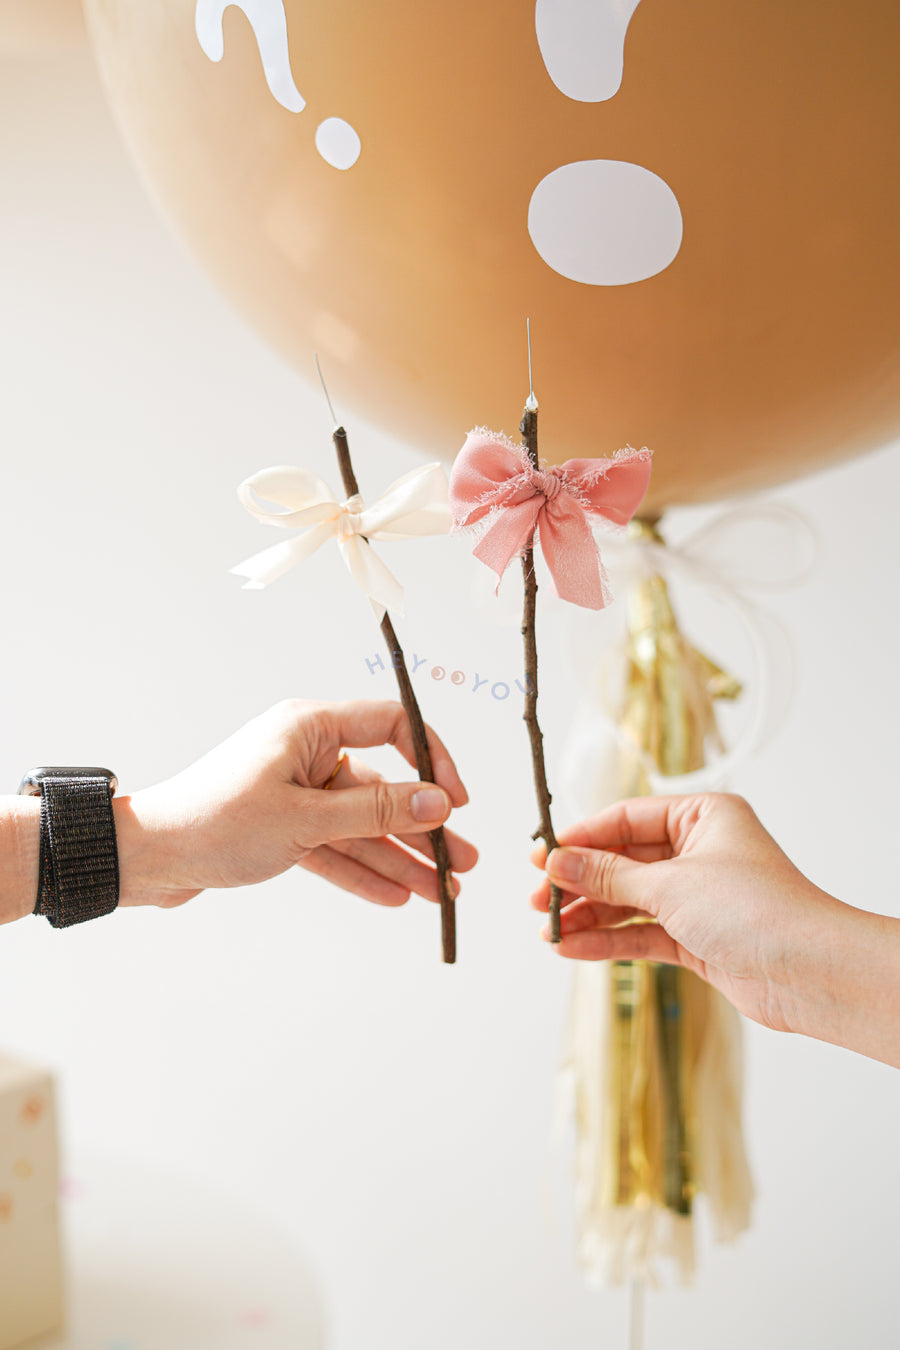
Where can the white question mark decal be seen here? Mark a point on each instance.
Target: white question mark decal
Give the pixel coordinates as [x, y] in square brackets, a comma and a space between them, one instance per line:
[583, 45]
[601, 222]
[336, 141]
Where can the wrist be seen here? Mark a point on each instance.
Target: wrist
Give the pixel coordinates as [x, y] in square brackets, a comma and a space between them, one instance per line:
[20, 857]
[868, 978]
[850, 990]
[147, 855]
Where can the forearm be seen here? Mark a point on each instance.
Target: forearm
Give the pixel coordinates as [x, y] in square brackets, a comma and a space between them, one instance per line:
[851, 982]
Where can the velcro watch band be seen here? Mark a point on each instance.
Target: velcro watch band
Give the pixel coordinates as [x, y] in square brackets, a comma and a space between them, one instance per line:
[78, 876]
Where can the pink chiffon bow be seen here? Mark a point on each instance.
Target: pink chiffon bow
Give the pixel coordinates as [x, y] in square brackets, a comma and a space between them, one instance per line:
[494, 478]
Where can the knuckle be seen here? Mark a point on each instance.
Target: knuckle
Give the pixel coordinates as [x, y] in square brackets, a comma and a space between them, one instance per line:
[600, 874]
[291, 708]
[399, 723]
[626, 831]
[685, 813]
[727, 802]
[291, 711]
[382, 808]
[735, 809]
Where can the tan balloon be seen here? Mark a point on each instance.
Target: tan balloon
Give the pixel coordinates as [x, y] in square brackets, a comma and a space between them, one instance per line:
[769, 345]
[37, 28]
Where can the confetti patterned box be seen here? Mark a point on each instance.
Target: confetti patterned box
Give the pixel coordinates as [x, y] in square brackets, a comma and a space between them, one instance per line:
[31, 1297]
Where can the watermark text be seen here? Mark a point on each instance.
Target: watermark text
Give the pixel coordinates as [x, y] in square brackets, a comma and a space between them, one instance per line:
[499, 690]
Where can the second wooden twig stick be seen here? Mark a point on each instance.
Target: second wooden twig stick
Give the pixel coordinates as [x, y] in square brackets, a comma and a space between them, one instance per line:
[417, 728]
[528, 429]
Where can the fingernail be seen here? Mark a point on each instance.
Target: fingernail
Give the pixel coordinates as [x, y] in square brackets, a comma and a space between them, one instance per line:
[429, 804]
[566, 865]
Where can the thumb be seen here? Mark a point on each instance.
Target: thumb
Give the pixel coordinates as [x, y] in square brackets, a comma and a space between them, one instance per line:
[598, 875]
[373, 810]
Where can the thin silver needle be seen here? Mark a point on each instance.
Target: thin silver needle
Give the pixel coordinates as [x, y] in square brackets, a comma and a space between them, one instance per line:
[531, 402]
[325, 389]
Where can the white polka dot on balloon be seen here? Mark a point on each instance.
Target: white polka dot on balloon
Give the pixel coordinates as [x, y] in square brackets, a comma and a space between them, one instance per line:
[338, 143]
[605, 222]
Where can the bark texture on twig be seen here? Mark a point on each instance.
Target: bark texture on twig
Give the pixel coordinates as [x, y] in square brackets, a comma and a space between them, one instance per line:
[528, 429]
[417, 728]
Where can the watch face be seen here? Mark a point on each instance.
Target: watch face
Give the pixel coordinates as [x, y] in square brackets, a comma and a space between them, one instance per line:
[30, 785]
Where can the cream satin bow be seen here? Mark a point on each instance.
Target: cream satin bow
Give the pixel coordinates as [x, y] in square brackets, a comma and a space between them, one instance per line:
[294, 499]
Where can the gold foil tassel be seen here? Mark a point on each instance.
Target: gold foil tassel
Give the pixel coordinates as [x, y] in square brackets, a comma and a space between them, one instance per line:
[657, 1070]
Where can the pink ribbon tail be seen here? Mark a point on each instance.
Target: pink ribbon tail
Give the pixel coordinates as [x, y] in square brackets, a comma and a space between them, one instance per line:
[509, 534]
[572, 555]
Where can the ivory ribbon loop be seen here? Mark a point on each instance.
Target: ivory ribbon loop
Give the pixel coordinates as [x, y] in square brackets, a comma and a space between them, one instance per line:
[415, 505]
[292, 498]
[494, 481]
[302, 498]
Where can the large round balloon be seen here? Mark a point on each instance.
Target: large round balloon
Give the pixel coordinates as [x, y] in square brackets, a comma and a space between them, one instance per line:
[38, 28]
[699, 215]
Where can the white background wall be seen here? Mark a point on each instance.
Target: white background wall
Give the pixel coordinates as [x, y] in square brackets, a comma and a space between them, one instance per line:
[290, 1044]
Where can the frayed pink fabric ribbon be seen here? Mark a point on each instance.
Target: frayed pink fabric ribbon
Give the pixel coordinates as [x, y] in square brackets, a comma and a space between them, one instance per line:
[494, 478]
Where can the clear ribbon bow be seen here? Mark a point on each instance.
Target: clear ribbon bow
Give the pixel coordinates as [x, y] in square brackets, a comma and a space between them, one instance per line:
[295, 499]
[757, 546]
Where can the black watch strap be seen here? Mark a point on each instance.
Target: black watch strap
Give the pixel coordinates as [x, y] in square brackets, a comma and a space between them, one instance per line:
[78, 876]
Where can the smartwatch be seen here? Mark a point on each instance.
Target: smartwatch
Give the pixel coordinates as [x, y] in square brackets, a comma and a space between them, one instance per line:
[78, 874]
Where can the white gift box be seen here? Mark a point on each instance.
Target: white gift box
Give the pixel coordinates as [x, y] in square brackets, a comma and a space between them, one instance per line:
[31, 1291]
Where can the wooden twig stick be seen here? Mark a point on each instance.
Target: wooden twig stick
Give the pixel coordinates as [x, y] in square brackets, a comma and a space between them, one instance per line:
[544, 831]
[417, 728]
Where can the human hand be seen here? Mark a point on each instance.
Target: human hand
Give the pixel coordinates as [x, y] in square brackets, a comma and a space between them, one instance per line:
[727, 904]
[255, 806]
